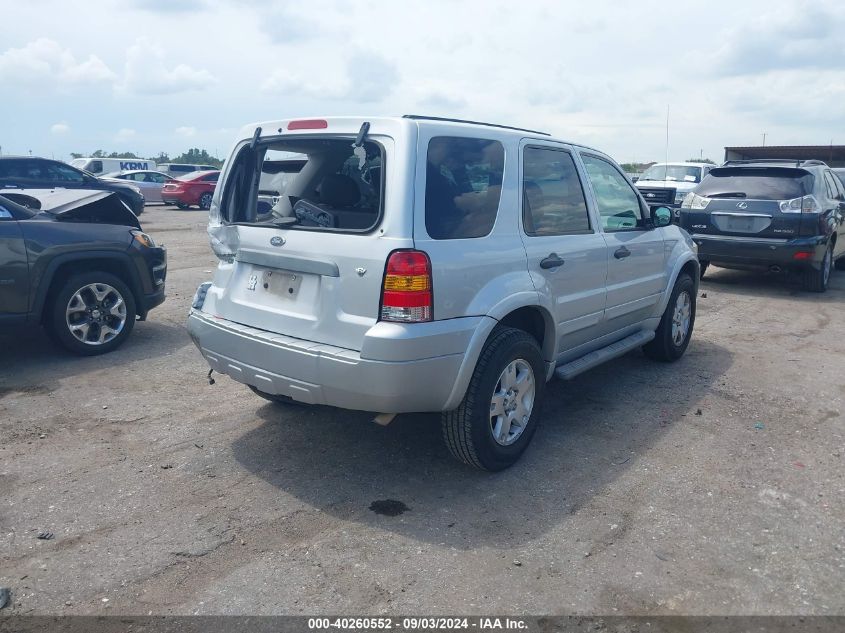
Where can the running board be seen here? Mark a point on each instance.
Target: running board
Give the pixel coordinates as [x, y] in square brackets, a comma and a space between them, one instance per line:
[593, 359]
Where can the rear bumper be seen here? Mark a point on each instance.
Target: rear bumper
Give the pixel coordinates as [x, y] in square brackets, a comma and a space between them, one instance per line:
[742, 252]
[405, 375]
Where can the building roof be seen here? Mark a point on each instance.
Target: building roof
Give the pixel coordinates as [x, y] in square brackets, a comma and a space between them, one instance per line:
[833, 155]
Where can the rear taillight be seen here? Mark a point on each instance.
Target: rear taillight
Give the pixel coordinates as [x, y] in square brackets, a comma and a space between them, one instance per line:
[807, 204]
[406, 291]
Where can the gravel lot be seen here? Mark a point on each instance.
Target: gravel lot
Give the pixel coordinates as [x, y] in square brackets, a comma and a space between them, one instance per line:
[714, 485]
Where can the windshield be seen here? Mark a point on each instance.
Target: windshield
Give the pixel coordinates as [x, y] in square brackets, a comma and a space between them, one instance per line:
[686, 173]
[766, 183]
[307, 183]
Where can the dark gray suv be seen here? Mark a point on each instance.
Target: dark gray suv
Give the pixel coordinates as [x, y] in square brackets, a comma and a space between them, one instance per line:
[773, 214]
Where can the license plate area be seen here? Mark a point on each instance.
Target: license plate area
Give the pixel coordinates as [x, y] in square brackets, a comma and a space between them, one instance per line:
[738, 223]
[281, 283]
[741, 225]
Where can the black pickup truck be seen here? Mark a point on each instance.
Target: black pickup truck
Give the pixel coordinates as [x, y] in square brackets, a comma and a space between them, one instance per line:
[77, 262]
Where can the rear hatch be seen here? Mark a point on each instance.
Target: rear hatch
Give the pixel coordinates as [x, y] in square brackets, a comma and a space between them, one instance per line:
[761, 202]
[304, 229]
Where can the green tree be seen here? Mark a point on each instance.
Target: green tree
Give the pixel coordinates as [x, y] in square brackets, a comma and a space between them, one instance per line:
[197, 156]
[700, 160]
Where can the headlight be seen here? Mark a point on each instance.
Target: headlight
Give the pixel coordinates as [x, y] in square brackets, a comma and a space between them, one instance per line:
[143, 239]
[694, 201]
[679, 196]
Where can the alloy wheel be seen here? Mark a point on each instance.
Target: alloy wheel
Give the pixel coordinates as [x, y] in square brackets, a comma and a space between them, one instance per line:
[681, 318]
[512, 402]
[96, 314]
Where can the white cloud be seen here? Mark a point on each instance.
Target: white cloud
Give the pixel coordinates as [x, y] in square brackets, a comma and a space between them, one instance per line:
[60, 128]
[44, 60]
[186, 131]
[366, 78]
[146, 72]
[124, 134]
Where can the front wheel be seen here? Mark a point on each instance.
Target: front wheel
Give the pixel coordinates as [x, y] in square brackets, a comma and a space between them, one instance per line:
[673, 334]
[497, 418]
[92, 313]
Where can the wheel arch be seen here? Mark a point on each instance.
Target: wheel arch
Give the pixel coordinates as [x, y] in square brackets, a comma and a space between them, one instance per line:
[63, 267]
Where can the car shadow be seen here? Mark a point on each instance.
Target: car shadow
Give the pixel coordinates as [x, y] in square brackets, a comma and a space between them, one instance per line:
[771, 285]
[30, 357]
[592, 430]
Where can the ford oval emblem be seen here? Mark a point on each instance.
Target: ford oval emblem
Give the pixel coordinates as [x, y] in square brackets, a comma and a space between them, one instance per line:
[277, 240]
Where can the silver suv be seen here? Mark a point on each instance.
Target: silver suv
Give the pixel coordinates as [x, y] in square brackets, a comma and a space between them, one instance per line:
[420, 264]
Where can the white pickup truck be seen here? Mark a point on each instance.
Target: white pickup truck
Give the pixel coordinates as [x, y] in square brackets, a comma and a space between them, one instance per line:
[667, 184]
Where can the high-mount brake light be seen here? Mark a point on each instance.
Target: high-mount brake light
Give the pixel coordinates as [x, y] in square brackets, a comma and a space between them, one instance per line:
[406, 291]
[308, 124]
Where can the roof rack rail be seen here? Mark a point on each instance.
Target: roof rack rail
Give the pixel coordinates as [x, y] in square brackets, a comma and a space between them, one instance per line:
[420, 117]
[779, 161]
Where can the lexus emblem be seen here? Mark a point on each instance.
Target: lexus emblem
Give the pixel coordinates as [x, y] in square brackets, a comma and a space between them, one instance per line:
[277, 240]
[741, 205]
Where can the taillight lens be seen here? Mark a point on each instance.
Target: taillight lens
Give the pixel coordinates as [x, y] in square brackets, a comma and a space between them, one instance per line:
[694, 201]
[806, 204]
[406, 292]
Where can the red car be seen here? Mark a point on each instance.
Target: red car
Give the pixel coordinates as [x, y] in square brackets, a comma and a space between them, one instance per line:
[194, 188]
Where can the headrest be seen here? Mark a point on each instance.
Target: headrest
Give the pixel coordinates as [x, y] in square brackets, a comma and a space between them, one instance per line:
[338, 190]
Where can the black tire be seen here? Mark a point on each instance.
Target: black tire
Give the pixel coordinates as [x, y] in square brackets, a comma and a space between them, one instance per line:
[60, 329]
[663, 346]
[839, 264]
[182, 205]
[205, 201]
[817, 280]
[274, 398]
[704, 266]
[467, 430]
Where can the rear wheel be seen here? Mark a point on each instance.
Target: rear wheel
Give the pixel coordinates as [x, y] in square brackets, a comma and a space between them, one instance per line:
[673, 334]
[92, 313]
[497, 418]
[205, 201]
[816, 280]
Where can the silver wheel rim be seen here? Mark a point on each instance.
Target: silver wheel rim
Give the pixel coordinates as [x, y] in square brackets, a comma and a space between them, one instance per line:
[681, 318]
[96, 314]
[827, 265]
[512, 402]
[205, 200]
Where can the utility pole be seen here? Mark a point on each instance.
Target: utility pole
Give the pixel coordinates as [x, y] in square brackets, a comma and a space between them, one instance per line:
[764, 139]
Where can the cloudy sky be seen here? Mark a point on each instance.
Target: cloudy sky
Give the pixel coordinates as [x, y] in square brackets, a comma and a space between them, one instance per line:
[165, 75]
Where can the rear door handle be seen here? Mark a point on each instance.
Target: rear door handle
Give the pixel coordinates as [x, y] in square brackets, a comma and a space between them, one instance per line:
[552, 261]
[621, 253]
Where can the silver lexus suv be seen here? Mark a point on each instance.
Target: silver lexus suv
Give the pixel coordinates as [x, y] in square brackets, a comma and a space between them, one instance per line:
[419, 264]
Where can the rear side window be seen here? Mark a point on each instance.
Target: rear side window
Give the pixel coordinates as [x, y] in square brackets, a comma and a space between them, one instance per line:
[463, 186]
[764, 183]
[181, 169]
[552, 198]
[316, 183]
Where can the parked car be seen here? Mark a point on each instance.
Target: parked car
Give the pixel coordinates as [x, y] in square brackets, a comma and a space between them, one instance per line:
[769, 214]
[149, 182]
[194, 188]
[101, 166]
[175, 170]
[419, 264]
[77, 262]
[668, 184]
[29, 172]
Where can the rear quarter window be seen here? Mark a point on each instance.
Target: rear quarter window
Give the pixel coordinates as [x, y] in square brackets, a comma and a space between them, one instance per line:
[463, 186]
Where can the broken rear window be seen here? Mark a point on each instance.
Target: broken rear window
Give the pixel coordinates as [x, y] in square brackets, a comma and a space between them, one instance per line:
[315, 183]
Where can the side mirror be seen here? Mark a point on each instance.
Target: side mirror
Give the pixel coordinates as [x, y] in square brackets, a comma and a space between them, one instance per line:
[661, 216]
